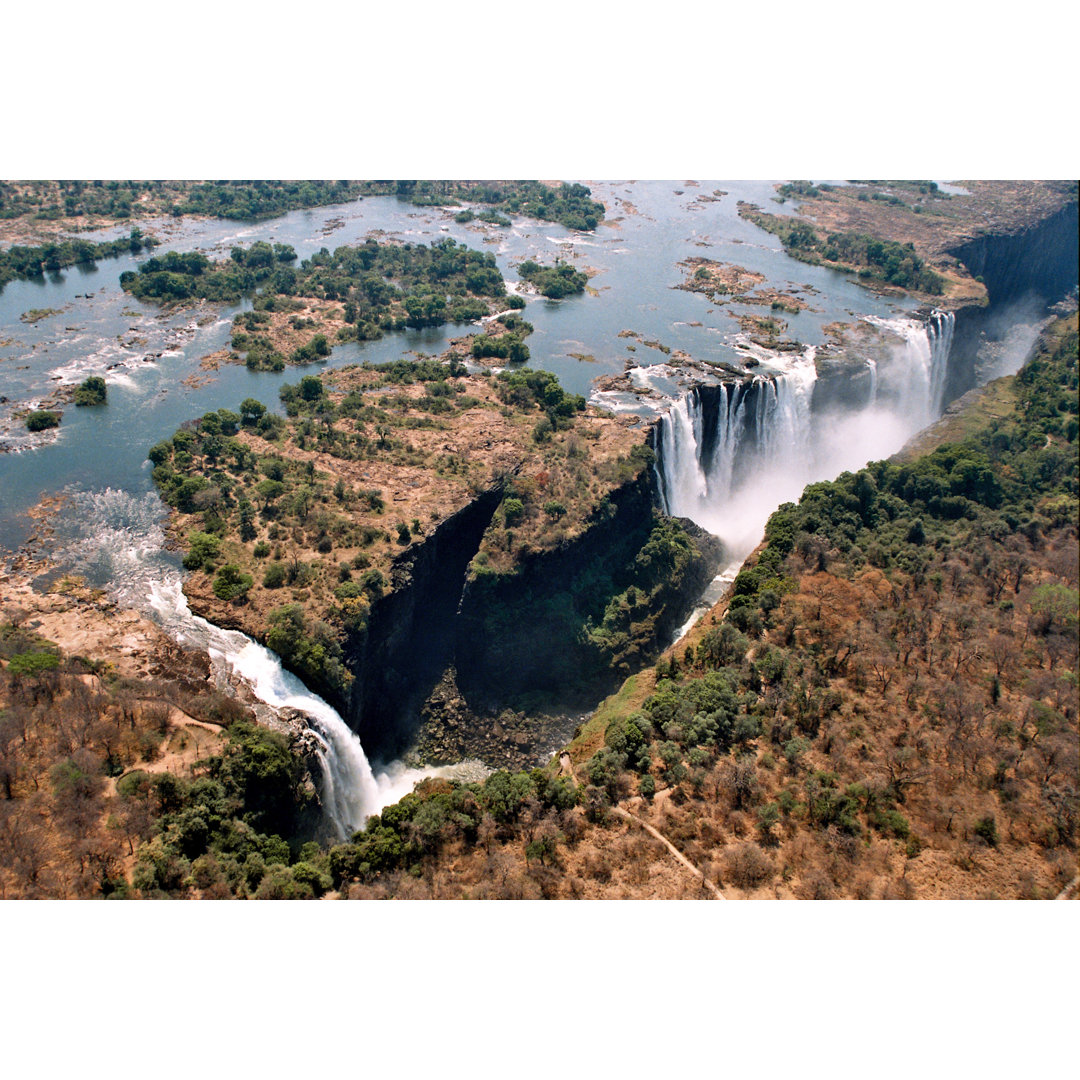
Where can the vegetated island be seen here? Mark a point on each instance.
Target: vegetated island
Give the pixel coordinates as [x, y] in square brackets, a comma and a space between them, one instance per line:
[486, 539]
[20, 261]
[355, 293]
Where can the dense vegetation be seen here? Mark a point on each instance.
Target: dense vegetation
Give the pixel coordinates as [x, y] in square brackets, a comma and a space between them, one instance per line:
[380, 287]
[18, 261]
[568, 204]
[91, 391]
[872, 259]
[252, 200]
[556, 281]
[242, 200]
[191, 275]
[42, 420]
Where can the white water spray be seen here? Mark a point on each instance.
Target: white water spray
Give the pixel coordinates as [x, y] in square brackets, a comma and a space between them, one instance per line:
[911, 381]
[118, 542]
[728, 473]
[761, 431]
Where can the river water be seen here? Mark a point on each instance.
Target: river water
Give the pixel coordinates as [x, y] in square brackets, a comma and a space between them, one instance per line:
[111, 532]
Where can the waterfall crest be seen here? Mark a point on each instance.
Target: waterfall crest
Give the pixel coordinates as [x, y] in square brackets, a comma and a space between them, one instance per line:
[716, 443]
[729, 454]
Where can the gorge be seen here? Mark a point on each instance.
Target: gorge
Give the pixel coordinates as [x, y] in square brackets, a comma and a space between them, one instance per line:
[727, 449]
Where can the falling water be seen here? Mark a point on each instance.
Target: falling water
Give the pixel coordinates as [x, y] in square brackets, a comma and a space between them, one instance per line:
[911, 379]
[729, 472]
[762, 429]
[115, 539]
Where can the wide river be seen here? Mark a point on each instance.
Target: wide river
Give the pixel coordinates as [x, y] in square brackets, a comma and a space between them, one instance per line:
[151, 361]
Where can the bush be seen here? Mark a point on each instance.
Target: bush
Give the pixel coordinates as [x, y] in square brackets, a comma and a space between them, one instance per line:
[91, 391]
[274, 577]
[986, 829]
[231, 584]
[747, 866]
[41, 419]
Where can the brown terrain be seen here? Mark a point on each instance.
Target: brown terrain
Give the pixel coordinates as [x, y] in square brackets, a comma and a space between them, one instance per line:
[417, 470]
[933, 222]
[123, 692]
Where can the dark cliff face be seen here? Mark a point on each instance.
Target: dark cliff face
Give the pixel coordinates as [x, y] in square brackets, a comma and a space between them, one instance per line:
[1041, 259]
[523, 637]
[514, 640]
[413, 629]
[842, 384]
[1025, 272]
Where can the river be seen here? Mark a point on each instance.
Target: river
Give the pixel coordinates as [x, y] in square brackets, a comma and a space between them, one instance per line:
[151, 362]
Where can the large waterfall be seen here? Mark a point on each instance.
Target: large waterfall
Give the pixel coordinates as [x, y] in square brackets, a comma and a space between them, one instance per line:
[729, 454]
[116, 539]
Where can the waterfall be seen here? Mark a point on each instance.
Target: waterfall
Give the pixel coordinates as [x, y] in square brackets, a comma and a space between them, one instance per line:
[116, 540]
[872, 366]
[911, 380]
[727, 454]
[940, 332]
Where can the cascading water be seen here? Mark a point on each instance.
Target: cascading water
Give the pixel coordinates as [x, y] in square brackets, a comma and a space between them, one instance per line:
[761, 428]
[728, 455]
[911, 382]
[118, 542]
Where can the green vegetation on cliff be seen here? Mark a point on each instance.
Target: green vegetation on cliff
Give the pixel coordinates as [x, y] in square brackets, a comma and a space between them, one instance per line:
[297, 525]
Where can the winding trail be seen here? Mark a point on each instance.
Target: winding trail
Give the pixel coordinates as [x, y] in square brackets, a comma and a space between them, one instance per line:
[717, 894]
[1066, 893]
[567, 765]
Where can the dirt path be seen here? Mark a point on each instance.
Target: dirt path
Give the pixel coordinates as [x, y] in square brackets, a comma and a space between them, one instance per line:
[717, 894]
[1067, 892]
[567, 767]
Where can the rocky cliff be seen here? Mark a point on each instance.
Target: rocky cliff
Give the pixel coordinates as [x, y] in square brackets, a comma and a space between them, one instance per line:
[1024, 272]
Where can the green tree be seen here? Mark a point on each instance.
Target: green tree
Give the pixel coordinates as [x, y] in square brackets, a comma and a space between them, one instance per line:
[91, 391]
[231, 583]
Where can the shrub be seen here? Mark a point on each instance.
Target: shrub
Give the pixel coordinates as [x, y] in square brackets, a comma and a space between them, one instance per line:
[274, 577]
[986, 828]
[747, 866]
[231, 584]
[41, 419]
[91, 391]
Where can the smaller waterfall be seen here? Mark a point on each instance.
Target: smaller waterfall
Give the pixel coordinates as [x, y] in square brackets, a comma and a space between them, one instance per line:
[871, 365]
[939, 330]
[116, 539]
[350, 790]
[911, 383]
